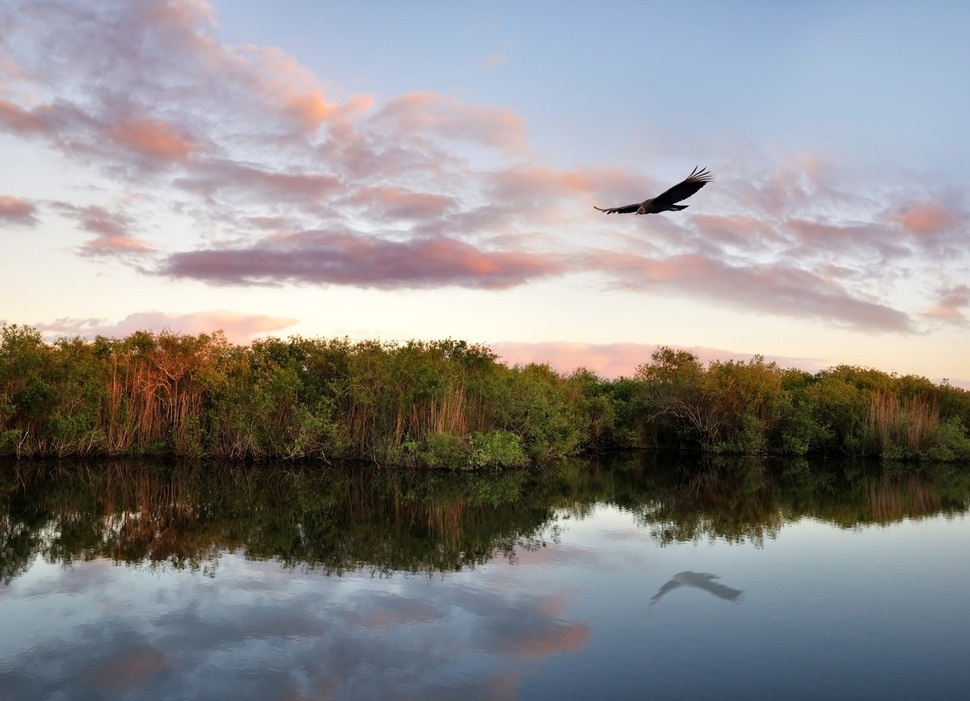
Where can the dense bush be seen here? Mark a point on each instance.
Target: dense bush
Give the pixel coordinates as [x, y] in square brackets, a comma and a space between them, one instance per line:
[443, 404]
[756, 407]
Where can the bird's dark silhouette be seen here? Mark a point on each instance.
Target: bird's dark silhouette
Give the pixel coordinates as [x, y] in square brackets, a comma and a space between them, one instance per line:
[666, 202]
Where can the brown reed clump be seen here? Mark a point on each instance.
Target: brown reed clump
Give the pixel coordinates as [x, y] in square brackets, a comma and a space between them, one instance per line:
[904, 426]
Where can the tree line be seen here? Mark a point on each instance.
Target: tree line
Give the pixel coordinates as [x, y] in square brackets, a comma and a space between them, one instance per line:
[446, 404]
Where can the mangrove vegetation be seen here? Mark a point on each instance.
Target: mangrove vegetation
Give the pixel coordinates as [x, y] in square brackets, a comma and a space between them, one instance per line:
[443, 404]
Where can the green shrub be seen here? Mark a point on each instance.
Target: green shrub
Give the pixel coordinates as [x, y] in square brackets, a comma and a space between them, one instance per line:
[445, 450]
[952, 441]
[499, 449]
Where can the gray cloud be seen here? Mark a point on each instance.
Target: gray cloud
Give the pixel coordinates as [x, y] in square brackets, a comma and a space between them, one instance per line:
[363, 261]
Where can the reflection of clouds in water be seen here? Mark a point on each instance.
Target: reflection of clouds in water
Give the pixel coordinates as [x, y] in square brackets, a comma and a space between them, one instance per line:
[615, 535]
[49, 579]
[572, 555]
[523, 626]
[592, 545]
[182, 635]
[385, 611]
[129, 668]
[528, 633]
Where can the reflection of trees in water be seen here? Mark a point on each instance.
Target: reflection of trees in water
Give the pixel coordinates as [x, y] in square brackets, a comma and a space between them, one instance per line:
[734, 500]
[185, 516]
[855, 495]
[749, 500]
[891, 499]
[338, 520]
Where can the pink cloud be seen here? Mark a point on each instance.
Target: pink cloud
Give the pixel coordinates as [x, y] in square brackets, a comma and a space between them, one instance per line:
[19, 120]
[536, 185]
[617, 186]
[804, 187]
[816, 237]
[785, 188]
[115, 245]
[239, 328]
[366, 151]
[773, 287]
[612, 360]
[434, 114]
[17, 210]
[154, 138]
[79, 133]
[397, 203]
[288, 85]
[937, 225]
[57, 121]
[925, 218]
[318, 257]
[163, 55]
[827, 234]
[740, 231]
[113, 235]
[951, 306]
[606, 360]
[822, 207]
[244, 180]
[294, 90]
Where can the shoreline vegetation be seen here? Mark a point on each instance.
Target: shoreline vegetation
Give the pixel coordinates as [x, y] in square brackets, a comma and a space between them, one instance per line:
[443, 404]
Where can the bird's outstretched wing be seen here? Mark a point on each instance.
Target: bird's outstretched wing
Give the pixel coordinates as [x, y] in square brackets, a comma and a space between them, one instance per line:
[684, 189]
[625, 209]
[667, 201]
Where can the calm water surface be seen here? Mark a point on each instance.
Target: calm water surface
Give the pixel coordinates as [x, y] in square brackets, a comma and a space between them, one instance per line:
[632, 580]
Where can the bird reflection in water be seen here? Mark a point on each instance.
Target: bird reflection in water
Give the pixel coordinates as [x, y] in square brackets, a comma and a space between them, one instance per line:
[699, 580]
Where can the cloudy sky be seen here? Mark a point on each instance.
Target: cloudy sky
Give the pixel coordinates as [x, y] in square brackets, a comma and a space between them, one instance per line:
[363, 170]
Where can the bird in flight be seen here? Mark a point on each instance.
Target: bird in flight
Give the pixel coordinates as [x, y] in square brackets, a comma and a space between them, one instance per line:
[666, 202]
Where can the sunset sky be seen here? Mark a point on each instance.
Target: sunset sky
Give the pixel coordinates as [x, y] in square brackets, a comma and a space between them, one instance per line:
[377, 171]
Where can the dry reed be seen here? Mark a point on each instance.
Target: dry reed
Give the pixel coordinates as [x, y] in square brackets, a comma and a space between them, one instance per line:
[909, 424]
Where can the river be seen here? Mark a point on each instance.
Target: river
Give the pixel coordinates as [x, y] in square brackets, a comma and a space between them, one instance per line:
[637, 577]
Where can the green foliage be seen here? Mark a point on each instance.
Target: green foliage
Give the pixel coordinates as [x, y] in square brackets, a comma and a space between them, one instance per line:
[674, 396]
[498, 449]
[443, 404]
[951, 442]
[444, 450]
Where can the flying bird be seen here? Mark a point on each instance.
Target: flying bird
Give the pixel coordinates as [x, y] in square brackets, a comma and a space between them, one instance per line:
[666, 202]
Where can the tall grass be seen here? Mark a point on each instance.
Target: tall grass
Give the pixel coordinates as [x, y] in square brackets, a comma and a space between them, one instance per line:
[901, 427]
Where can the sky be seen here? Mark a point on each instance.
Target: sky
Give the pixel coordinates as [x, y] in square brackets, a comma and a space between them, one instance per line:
[393, 172]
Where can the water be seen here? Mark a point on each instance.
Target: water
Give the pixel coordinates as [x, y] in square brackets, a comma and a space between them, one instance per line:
[706, 581]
